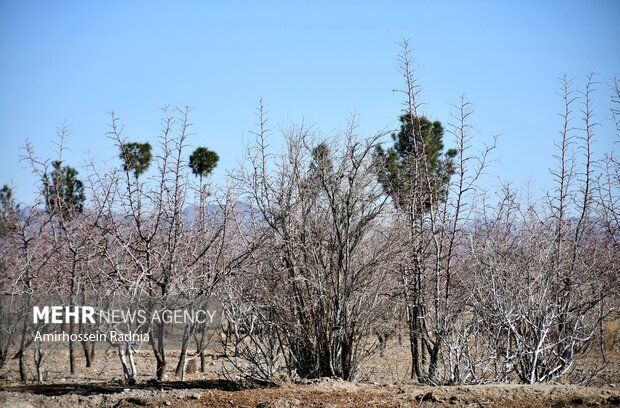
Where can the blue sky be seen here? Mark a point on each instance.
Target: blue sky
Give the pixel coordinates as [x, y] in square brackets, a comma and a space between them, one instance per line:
[320, 61]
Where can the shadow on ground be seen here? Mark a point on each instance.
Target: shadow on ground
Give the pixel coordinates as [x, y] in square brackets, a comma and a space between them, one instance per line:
[55, 390]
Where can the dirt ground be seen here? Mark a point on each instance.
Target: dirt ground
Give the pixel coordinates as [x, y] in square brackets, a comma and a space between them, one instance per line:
[386, 385]
[322, 393]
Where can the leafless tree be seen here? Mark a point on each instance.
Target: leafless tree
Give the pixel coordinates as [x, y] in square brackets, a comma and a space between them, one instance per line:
[321, 211]
[435, 215]
[542, 272]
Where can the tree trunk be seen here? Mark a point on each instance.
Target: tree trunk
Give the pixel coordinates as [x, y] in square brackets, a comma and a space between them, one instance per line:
[22, 350]
[38, 360]
[85, 348]
[157, 344]
[132, 364]
[71, 349]
[123, 357]
[200, 347]
[187, 336]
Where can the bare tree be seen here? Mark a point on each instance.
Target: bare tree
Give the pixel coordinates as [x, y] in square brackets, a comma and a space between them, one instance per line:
[544, 271]
[321, 213]
[435, 200]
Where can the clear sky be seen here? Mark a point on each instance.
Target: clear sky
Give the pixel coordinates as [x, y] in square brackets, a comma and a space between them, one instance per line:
[321, 61]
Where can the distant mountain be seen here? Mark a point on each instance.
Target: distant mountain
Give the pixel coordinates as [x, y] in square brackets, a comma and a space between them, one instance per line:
[190, 213]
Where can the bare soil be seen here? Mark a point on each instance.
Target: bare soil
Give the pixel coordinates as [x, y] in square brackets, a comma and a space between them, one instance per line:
[386, 385]
[322, 393]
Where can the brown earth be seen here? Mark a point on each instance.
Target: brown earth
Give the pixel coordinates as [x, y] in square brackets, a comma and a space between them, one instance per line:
[386, 384]
[322, 393]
